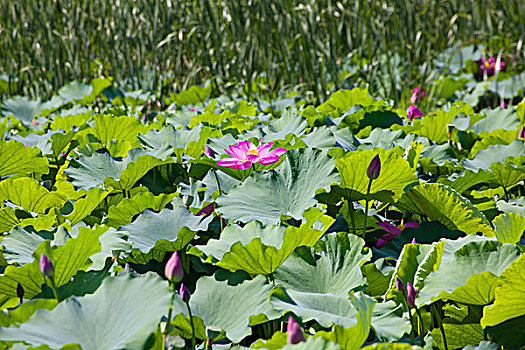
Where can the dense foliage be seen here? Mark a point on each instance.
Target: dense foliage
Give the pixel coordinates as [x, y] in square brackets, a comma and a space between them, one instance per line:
[317, 46]
[369, 224]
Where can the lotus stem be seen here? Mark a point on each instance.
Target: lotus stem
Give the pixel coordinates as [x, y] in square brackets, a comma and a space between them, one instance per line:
[352, 215]
[220, 192]
[437, 317]
[366, 206]
[53, 288]
[192, 325]
[170, 311]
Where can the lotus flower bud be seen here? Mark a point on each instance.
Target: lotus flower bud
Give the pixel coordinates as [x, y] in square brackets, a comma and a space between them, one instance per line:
[413, 112]
[502, 104]
[207, 210]
[173, 270]
[374, 168]
[381, 242]
[184, 293]
[20, 292]
[413, 241]
[46, 267]
[209, 152]
[521, 134]
[294, 333]
[400, 286]
[411, 295]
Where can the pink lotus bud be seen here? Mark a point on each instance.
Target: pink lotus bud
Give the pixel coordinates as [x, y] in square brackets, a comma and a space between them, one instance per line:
[34, 122]
[521, 134]
[207, 210]
[173, 270]
[294, 333]
[184, 293]
[209, 152]
[413, 241]
[400, 286]
[412, 224]
[46, 267]
[502, 104]
[411, 295]
[192, 109]
[374, 168]
[20, 292]
[381, 243]
[413, 112]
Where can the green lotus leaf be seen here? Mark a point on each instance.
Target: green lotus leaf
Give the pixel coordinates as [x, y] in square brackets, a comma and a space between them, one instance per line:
[68, 259]
[467, 180]
[83, 93]
[441, 203]
[383, 138]
[71, 118]
[30, 195]
[509, 227]
[26, 110]
[337, 267]
[161, 143]
[24, 311]
[396, 174]
[508, 88]
[107, 319]
[100, 169]
[326, 309]
[288, 190]
[15, 158]
[483, 345]
[193, 95]
[510, 293]
[322, 138]
[342, 100]
[498, 118]
[261, 250]
[465, 270]
[353, 338]
[84, 206]
[391, 346]
[169, 230]
[434, 125]
[111, 128]
[231, 307]
[127, 208]
[496, 154]
[8, 220]
[388, 321]
[378, 275]
[289, 123]
[461, 326]
[313, 343]
[19, 245]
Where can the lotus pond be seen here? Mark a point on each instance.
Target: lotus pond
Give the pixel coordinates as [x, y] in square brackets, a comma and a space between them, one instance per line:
[216, 222]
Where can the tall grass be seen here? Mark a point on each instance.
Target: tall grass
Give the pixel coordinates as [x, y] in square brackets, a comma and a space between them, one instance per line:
[175, 43]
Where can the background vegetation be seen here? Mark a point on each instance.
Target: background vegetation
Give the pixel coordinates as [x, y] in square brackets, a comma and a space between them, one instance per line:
[149, 44]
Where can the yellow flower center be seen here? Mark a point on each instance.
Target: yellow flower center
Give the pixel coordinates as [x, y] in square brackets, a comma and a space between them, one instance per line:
[253, 151]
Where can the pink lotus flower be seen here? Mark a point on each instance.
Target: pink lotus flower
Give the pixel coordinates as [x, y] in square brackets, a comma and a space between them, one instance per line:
[413, 112]
[294, 333]
[411, 295]
[246, 153]
[489, 66]
[417, 93]
[393, 231]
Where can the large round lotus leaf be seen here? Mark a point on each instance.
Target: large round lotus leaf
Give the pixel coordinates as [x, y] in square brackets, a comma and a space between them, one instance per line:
[68, 259]
[102, 170]
[326, 309]
[120, 314]
[509, 227]
[114, 128]
[353, 338]
[388, 321]
[30, 195]
[510, 296]
[395, 174]
[26, 110]
[261, 250]
[441, 203]
[168, 230]
[16, 158]
[498, 118]
[495, 154]
[464, 270]
[289, 123]
[232, 308]
[288, 190]
[337, 268]
[161, 143]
